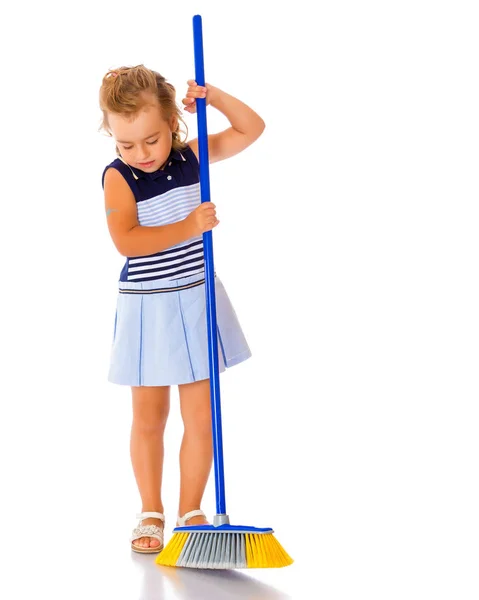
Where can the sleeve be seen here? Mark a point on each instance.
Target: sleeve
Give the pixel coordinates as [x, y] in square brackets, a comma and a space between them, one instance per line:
[127, 175]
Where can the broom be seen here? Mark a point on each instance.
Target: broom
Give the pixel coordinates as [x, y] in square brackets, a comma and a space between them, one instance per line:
[221, 545]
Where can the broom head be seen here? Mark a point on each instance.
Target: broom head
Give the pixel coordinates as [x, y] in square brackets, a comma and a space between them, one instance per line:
[223, 547]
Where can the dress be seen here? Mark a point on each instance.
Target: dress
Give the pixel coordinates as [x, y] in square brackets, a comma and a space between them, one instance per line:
[160, 335]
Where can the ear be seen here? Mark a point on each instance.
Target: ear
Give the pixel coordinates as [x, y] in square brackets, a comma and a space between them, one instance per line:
[174, 123]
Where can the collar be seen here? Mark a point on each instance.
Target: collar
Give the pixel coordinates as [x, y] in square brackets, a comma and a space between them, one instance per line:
[175, 155]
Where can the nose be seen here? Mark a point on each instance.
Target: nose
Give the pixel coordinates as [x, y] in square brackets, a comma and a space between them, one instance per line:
[142, 154]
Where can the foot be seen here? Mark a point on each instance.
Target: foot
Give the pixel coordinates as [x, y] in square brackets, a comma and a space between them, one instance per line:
[149, 542]
[197, 521]
[197, 518]
[148, 536]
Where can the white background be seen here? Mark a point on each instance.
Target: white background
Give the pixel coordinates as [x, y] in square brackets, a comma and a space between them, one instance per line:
[348, 244]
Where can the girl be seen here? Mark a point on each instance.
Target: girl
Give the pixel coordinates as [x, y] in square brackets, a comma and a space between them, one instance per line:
[156, 220]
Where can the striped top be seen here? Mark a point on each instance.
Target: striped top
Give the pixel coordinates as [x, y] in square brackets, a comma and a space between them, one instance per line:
[164, 197]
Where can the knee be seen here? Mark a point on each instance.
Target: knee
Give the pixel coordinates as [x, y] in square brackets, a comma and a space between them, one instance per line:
[150, 422]
[148, 428]
[199, 426]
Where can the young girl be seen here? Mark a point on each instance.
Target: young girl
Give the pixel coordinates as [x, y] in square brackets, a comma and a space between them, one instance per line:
[156, 220]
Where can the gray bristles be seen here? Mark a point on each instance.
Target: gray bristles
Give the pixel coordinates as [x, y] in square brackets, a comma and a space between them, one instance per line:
[204, 550]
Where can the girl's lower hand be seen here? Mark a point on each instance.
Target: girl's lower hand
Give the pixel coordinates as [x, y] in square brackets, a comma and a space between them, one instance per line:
[202, 219]
[195, 91]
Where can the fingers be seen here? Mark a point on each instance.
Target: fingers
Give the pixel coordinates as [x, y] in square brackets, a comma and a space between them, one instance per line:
[194, 87]
[194, 91]
[207, 216]
[190, 104]
[206, 206]
[211, 225]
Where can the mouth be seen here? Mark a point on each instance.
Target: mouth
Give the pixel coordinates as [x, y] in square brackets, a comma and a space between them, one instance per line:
[147, 164]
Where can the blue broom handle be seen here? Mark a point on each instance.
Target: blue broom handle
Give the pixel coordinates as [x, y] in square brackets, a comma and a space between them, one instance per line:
[210, 276]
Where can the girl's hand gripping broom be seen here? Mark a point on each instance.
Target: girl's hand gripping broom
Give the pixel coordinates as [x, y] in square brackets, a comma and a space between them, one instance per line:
[218, 546]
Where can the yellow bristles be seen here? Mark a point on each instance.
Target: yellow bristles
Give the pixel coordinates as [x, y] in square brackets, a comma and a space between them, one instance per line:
[170, 554]
[264, 551]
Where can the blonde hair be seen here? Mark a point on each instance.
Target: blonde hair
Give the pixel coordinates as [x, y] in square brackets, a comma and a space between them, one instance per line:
[125, 91]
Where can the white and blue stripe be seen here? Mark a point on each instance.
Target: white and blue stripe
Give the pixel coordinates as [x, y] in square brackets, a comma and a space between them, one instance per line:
[162, 198]
[160, 330]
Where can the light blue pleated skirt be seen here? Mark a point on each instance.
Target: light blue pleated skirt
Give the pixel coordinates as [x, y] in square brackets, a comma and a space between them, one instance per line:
[160, 335]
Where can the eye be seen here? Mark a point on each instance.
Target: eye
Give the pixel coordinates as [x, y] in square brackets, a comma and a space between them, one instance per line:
[149, 143]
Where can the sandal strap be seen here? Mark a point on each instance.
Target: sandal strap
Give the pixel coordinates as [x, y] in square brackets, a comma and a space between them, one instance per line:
[189, 515]
[147, 531]
[150, 515]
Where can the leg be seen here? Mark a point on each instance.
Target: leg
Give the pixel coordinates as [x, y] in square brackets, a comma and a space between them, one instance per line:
[196, 454]
[150, 411]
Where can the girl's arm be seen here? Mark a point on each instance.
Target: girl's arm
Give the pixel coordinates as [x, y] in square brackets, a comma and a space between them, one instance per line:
[246, 124]
[132, 239]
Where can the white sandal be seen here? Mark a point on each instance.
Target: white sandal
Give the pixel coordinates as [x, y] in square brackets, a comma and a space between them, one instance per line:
[152, 531]
[189, 515]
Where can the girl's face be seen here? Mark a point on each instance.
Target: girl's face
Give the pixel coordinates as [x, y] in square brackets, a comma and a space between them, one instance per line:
[145, 141]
